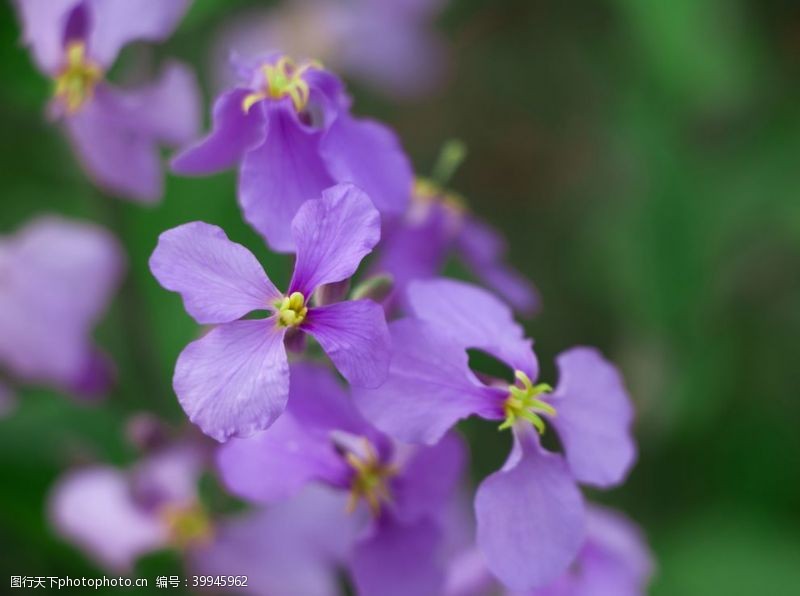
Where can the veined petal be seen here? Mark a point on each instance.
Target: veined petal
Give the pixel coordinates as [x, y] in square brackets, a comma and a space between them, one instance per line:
[369, 155]
[281, 174]
[219, 280]
[476, 318]
[594, 417]
[530, 519]
[233, 133]
[235, 380]
[355, 337]
[331, 236]
[429, 387]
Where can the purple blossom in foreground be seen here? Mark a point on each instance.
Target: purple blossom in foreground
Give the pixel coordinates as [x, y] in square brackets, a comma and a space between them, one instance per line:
[288, 127]
[439, 224]
[388, 44]
[321, 439]
[613, 561]
[235, 380]
[116, 516]
[530, 513]
[56, 278]
[115, 133]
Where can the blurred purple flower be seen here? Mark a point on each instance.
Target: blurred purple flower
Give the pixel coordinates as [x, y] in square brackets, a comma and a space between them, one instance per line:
[430, 387]
[56, 278]
[235, 380]
[613, 561]
[289, 129]
[116, 134]
[115, 515]
[322, 439]
[439, 224]
[388, 44]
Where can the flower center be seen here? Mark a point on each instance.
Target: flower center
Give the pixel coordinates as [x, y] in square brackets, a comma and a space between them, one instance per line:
[426, 191]
[522, 403]
[292, 310]
[76, 81]
[282, 79]
[371, 479]
[187, 525]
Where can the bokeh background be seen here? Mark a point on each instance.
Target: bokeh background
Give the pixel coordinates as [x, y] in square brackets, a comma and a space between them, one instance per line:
[643, 159]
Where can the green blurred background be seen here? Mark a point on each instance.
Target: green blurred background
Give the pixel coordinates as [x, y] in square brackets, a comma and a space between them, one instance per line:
[641, 156]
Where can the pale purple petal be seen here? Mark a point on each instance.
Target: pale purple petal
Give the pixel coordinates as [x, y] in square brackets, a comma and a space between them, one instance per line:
[297, 449]
[369, 155]
[234, 132]
[95, 377]
[58, 277]
[467, 575]
[331, 236]
[355, 337]
[220, 281]
[398, 559]
[281, 174]
[594, 417]
[429, 480]
[44, 23]
[476, 318]
[169, 475]
[531, 519]
[115, 23]
[235, 380]
[94, 509]
[429, 388]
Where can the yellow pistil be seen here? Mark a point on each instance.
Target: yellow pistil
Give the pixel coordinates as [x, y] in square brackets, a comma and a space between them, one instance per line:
[188, 525]
[371, 479]
[522, 403]
[292, 310]
[284, 78]
[427, 191]
[75, 83]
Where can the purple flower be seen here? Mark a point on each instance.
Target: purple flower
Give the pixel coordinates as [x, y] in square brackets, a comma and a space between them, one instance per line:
[56, 278]
[235, 380]
[116, 515]
[388, 44]
[530, 514]
[322, 439]
[116, 134]
[289, 129]
[439, 224]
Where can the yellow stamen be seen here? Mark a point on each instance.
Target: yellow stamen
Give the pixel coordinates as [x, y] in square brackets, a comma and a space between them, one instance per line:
[371, 479]
[427, 191]
[522, 403]
[188, 525]
[282, 79]
[75, 84]
[292, 310]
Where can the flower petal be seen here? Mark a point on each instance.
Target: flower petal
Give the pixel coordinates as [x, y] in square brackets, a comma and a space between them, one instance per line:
[219, 280]
[398, 559]
[44, 23]
[355, 337]
[331, 236]
[115, 23]
[235, 380]
[594, 417]
[476, 318]
[530, 518]
[281, 174]
[369, 155]
[429, 388]
[234, 132]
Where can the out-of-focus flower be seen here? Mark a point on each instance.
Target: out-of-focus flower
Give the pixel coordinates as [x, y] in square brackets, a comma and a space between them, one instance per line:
[235, 380]
[115, 515]
[438, 224]
[288, 127]
[530, 514]
[56, 278]
[115, 133]
[322, 439]
[389, 45]
[613, 561]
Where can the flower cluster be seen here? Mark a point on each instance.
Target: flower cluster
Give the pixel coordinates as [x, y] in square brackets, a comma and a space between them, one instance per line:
[334, 403]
